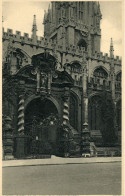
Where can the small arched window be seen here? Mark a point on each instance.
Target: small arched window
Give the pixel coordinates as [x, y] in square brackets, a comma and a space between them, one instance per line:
[100, 72]
[75, 67]
[82, 43]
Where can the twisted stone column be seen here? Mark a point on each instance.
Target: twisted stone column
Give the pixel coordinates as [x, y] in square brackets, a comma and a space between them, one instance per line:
[85, 97]
[65, 112]
[21, 114]
[66, 107]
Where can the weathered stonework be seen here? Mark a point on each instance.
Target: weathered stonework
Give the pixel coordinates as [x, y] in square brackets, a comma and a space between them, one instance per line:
[71, 50]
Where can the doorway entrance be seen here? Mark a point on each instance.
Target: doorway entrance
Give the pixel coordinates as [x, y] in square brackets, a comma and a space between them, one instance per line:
[41, 127]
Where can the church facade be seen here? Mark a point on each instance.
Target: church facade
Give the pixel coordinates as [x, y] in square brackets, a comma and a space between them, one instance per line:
[61, 79]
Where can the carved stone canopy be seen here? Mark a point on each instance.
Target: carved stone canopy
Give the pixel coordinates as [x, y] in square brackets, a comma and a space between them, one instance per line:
[62, 79]
[44, 61]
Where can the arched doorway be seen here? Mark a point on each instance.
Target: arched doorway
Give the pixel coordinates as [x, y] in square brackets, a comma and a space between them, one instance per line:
[41, 124]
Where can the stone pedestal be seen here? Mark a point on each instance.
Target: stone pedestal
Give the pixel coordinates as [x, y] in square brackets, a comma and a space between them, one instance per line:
[85, 143]
[20, 146]
[7, 138]
[8, 145]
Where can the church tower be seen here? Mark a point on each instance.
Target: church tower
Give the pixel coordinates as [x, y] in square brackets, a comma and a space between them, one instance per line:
[74, 23]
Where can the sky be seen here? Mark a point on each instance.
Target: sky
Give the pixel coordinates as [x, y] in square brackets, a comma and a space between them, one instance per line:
[18, 15]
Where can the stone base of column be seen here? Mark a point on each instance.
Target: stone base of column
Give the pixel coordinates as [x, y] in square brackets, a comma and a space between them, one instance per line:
[20, 146]
[8, 157]
[85, 144]
[8, 145]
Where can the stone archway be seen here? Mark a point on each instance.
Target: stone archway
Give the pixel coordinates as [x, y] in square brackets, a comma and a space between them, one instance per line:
[41, 123]
[51, 98]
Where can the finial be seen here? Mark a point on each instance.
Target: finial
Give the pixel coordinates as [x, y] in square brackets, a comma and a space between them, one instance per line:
[34, 21]
[98, 9]
[34, 29]
[111, 42]
[111, 49]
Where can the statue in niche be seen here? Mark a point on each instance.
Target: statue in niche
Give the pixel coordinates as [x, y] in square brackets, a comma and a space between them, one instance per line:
[43, 80]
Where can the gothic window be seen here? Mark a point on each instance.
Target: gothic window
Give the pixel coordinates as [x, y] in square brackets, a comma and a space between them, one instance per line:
[75, 67]
[95, 120]
[16, 59]
[118, 81]
[118, 77]
[82, 43]
[100, 76]
[101, 73]
[81, 11]
[73, 111]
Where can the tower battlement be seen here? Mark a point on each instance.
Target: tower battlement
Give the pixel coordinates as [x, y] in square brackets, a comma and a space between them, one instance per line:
[27, 39]
[41, 42]
[51, 44]
[105, 57]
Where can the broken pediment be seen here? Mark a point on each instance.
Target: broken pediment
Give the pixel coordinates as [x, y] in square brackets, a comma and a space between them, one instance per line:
[62, 79]
[45, 61]
[27, 72]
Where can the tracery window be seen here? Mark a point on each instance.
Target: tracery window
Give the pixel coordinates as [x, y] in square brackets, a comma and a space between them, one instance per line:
[100, 76]
[75, 67]
[118, 77]
[80, 10]
[100, 72]
[82, 43]
[95, 121]
[118, 81]
[16, 59]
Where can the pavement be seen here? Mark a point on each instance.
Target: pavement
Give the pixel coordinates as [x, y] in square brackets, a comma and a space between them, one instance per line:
[65, 179]
[59, 161]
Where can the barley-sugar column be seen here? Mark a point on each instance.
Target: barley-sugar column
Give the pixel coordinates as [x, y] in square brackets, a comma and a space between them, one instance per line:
[66, 141]
[85, 97]
[85, 144]
[20, 137]
[66, 107]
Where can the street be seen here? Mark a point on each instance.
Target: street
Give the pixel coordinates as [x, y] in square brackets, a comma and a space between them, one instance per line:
[76, 179]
